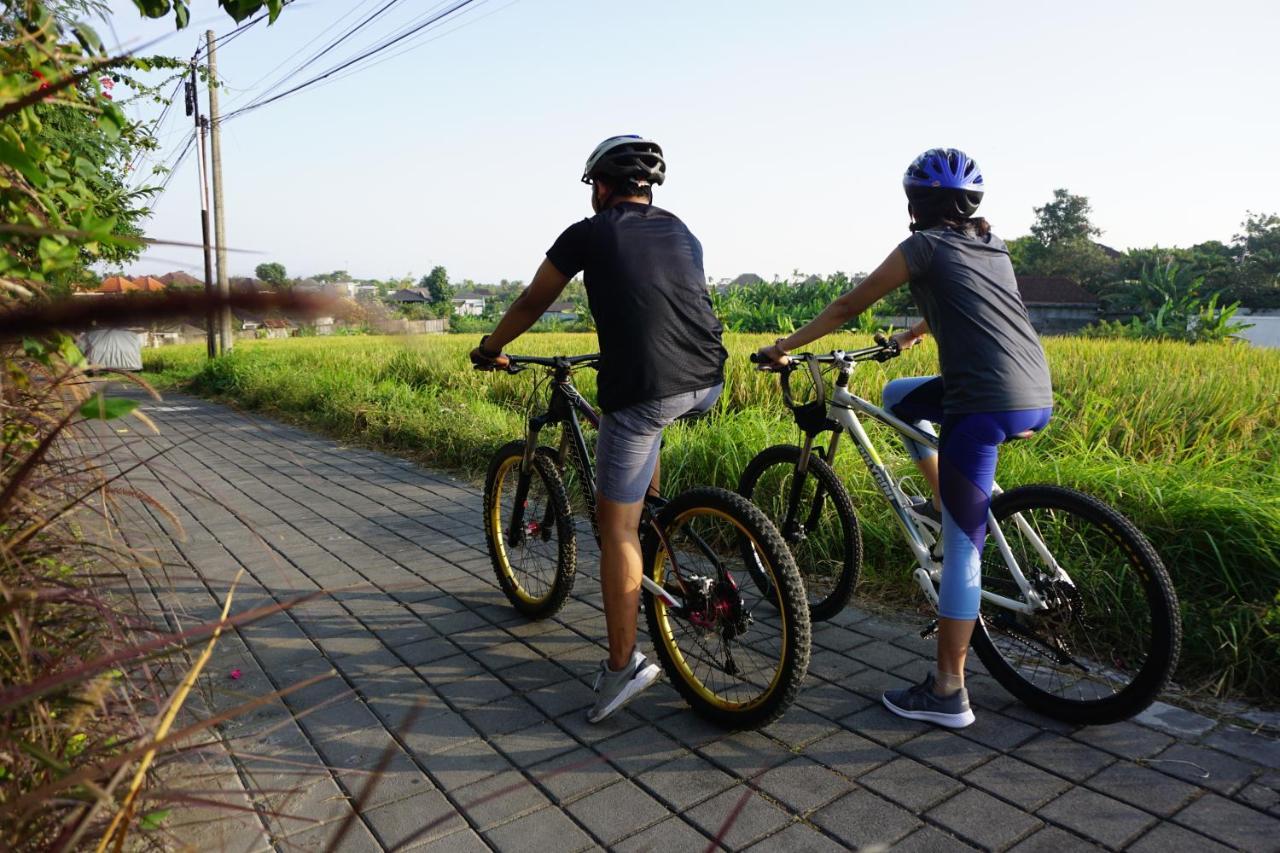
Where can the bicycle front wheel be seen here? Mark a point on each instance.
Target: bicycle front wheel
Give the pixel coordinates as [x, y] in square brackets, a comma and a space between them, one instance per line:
[823, 533]
[737, 654]
[534, 559]
[1109, 640]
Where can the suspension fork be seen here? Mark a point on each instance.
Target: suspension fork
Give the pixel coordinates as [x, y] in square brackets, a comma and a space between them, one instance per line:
[515, 530]
[789, 530]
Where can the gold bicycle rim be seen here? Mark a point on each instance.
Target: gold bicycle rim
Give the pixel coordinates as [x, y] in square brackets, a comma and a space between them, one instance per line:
[495, 527]
[667, 634]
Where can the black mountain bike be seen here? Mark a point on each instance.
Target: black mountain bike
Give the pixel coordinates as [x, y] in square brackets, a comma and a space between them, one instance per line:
[1079, 618]
[737, 652]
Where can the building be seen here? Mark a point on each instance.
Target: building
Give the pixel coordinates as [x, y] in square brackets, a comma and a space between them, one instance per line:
[116, 284]
[469, 304]
[560, 312]
[411, 296]
[1056, 304]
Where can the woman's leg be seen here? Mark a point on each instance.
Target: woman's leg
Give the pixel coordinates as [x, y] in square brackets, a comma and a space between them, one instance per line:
[918, 400]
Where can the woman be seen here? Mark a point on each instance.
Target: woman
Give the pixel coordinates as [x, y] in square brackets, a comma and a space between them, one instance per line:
[994, 386]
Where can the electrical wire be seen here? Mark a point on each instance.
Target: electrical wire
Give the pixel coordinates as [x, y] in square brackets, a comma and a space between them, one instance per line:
[461, 4]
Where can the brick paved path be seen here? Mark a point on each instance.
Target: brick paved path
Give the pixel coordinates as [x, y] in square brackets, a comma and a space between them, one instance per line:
[499, 754]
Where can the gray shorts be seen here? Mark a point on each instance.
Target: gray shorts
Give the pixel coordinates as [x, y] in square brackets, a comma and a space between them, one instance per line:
[630, 438]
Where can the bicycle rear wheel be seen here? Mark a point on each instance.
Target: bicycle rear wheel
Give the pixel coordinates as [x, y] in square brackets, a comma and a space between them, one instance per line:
[736, 654]
[1109, 641]
[823, 536]
[535, 565]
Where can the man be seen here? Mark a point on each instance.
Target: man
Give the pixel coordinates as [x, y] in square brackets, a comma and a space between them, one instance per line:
[660, 358]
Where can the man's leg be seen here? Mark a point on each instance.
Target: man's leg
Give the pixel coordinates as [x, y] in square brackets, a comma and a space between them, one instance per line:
[620, 568]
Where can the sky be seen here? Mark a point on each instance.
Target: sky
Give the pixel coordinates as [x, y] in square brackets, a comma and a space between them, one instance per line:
[786, 125]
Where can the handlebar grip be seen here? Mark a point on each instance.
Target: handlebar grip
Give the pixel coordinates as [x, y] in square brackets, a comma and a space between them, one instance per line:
[755, 358]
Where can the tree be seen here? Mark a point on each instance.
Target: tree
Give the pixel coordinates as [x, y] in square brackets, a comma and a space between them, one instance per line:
[437, 284]
[1061, 243]
[272, 273]
[1257, 251]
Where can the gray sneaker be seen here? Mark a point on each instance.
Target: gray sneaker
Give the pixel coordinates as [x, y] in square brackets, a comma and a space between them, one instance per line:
[616, 689]
[925, 509]
[919, 702]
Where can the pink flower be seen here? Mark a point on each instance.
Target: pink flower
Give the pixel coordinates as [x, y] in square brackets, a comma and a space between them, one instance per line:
[235, 674]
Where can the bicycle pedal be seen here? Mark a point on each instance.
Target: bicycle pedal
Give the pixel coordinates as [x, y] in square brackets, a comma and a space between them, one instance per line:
[929, 630]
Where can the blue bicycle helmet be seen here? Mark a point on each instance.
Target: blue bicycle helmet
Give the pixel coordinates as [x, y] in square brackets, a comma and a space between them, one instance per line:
[947, 177]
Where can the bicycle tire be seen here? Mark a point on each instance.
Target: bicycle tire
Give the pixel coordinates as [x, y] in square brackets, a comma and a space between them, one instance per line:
[788, 673]
[545, 598]
[826, 597]
[1106, 553]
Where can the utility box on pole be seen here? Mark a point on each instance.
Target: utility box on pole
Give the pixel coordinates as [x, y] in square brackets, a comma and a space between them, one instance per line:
[219, 226]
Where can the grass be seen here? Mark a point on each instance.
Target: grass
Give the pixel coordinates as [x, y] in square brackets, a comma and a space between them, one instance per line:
[1183, 439]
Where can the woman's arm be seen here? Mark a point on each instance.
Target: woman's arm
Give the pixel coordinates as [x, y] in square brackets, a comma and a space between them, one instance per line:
[890, 275]
[548, 282]
[908, 338]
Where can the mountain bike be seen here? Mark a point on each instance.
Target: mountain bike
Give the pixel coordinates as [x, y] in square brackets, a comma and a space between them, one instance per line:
[737, 653]
[1079, 619]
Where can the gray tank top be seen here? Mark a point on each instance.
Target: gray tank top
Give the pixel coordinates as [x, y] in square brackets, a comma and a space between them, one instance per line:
[990, 355]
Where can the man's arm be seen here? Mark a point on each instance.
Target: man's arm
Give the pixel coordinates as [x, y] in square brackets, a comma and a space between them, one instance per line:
[548, 282]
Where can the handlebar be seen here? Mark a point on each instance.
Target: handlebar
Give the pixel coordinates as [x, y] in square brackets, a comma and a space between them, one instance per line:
[517, 363]
[885, 349]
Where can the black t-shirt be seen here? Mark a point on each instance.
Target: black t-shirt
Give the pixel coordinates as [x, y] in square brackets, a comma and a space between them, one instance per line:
[648, 294]
[990, 354]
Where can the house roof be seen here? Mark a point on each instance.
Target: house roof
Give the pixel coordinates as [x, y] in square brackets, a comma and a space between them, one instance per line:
[180, 280]
[120, 284]
[747, 278]
[470, 295]
[411, 294]
[1053, 290]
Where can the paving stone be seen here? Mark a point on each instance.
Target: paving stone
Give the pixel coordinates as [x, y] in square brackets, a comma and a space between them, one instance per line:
[639, 750]
[755, 817]
[1175, 721]
[574, 774]
[803, 785]
[498, 799]
[418, 819]
[926, 839]
[431, 733]
[849, 754]
[671, 834]
[547, 829]
[465, 764]
[1103, 819]
[983, 820]
[1051, 839]
[798, 838]
[535, 744]
[1144, 788]
[831, 700]
[1063, 756]
[1018, 782]
[911, 784]
[1242, 743]
[861, 819]
[685, 781]
[998, 731]
[940, 748]
[690, 729]
[1204, 767]
[1260, 796]
[878, 724]
[1168, 836]
[1231, 823]
[799, 727]
[1125, 739]
[503, 716]
[555, 700]
[473, 692]
[617, 812]
[746, 754]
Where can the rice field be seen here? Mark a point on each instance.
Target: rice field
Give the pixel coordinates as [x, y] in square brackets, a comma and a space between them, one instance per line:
[1185, 440]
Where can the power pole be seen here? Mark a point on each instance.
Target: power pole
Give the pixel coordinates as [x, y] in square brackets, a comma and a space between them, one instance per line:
[219, 231]
[193, 110]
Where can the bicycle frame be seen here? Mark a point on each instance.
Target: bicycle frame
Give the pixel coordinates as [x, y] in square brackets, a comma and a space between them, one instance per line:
[843, 408]
[569, 408]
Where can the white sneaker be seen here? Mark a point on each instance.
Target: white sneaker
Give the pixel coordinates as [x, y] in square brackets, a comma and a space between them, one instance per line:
[616, 689]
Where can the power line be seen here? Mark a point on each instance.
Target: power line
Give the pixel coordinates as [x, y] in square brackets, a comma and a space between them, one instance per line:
[359, 58]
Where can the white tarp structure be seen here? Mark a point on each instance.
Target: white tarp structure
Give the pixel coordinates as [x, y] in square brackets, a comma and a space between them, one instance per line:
[118, 349]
